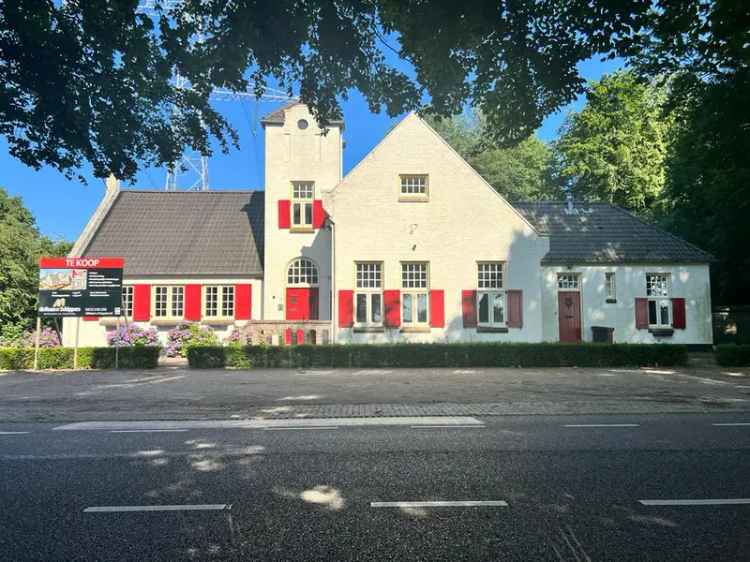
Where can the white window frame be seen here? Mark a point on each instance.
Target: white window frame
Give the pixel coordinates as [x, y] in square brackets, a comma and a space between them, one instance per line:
[415, 285]
[127, 300]
[490, 285]
[610, 286]
[659, 293]
[173, 295]
[564, 281]
[306, 269]
[369, 286]
[222, 296]
[413, 187]
[302, 199]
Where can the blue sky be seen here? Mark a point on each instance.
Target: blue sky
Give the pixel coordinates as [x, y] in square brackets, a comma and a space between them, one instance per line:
[62, 207]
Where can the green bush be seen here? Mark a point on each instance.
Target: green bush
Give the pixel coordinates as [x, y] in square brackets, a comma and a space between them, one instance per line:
[17, 359]
[732, 355]
[439, 355]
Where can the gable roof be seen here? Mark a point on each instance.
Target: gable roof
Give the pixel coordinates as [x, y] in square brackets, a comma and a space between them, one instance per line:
[183, 233]
[597, 233]
[278, 116]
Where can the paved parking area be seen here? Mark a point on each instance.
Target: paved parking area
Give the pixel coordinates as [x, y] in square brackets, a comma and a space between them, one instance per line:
[179, 393]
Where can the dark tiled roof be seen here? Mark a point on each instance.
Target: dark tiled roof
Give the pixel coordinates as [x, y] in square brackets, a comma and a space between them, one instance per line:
[277, 117]
[602, 233]
[185, 233]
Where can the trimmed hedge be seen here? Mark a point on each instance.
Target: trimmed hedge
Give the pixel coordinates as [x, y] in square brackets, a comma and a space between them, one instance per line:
[18, 359]
[439, 355]
[732, 355]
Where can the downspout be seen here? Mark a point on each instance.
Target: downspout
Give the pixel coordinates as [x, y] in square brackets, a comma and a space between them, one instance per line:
[334, 303]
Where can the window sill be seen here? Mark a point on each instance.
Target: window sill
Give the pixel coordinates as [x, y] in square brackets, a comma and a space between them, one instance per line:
[492, 329]
[413, 199]
[415, 329]
[112, 320]
[368, 329]
[166, 321]
[661, 332]
[217, 321]
[307, 229]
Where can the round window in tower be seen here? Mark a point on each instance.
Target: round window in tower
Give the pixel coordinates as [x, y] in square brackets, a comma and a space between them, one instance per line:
[302, 124]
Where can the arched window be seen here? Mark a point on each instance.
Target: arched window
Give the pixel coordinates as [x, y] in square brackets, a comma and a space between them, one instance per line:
[302, 271]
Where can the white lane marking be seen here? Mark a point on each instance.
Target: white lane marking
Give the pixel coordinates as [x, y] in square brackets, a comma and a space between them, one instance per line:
[732, 424]
[130, 508]
[147, 430]
[443, 426]
[469, 503]
[298, 428]
[14, 432]
[262, 424]
[602, 425]
[728, 501]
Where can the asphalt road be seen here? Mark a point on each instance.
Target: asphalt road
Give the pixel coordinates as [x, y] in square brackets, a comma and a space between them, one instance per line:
[183, 394]
[556, 487]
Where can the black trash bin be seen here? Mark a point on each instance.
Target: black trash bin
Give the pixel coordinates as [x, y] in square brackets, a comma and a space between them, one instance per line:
[602, 334]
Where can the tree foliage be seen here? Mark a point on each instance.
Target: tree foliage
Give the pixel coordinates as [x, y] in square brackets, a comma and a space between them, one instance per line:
[613, 149]
[88, 82]
[21, 245]
[524, 172]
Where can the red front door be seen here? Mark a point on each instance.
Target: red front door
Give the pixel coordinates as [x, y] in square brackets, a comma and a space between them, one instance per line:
[302, 303]
[569, 315]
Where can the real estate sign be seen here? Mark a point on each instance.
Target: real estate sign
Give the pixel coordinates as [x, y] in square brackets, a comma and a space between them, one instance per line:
[80, 286]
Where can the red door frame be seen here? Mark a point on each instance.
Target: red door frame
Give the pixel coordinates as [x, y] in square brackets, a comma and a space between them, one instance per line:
[569, 316]
[302, 303]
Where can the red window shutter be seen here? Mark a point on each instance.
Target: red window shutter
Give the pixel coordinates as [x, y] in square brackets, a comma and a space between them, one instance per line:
[392, 304]
[641, 314]
[192, 302]
[288, 336]
[300, 336]
[437, 308]
[285, 215]
[515, 308]
[243, 302]
[319, 215]
[469, 308]
[346, 309]
[141, 303]
[678, 314]
[90, 318]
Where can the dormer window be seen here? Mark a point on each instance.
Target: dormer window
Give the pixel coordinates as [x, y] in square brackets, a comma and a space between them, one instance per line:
[414, 187]
[303, 194]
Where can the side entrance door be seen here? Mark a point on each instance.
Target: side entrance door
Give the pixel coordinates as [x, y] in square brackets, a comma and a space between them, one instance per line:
[302, 303]
[569, 315]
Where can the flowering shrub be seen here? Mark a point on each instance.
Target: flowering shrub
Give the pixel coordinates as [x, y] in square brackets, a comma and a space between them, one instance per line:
[133, 335]
[186, 334]
[48, 338]
[237, 337]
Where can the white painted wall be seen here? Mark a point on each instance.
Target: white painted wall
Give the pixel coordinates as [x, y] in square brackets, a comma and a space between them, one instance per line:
[463, 222]
[94, 333]
[293, 154]
[690, 282]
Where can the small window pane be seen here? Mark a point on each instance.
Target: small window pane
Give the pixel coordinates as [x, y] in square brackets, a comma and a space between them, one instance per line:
[160, 304]
[652, 312]
[369, 275]
[664, 313]
[177, 301]
[127, 301]
[490, 275]
[361, 308]
[302, 190]
[657, 285]
[422, 307]
[567, 281]
[414, 275]
[308, 213]
[484, 308]
[407, 308]
[498, 308]
[609, 283]
[297, 213]
[302, 271]
[414, 185]
[376, 305]
[227, 302]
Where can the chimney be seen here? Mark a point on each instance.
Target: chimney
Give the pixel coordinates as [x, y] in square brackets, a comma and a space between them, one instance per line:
[113, 184]
[569, 208]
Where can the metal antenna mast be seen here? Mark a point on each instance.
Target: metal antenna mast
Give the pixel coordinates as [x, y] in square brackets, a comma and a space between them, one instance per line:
[190, 172]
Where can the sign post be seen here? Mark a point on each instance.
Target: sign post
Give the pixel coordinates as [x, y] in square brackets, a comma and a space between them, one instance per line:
[36, 342]
[75, 287]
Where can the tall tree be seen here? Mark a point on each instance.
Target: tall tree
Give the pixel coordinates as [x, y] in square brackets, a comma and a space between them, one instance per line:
[21, 245]
[85, 81]
[520, 173]
[613, 149]
[708, 177]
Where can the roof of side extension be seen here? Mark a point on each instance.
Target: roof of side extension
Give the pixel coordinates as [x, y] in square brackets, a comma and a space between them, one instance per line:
[277, 117]
[183, 233]
[601, 233]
